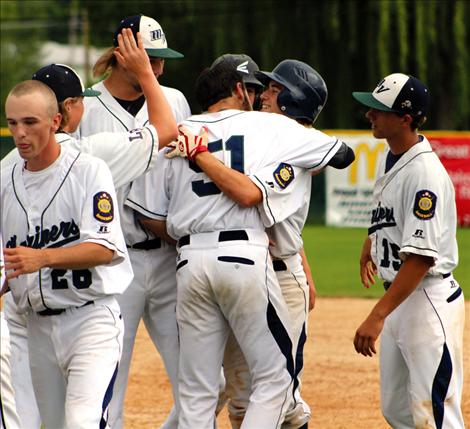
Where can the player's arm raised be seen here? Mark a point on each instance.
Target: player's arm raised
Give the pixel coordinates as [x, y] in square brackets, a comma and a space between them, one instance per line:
[23, 260]
[132, 56]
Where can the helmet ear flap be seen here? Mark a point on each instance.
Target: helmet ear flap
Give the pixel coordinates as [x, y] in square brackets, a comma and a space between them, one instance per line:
[304, 93]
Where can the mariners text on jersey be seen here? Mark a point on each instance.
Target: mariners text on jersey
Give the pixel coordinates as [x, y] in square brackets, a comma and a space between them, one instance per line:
[49, 237]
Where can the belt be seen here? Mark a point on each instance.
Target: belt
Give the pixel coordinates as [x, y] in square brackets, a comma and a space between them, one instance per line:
[279, 265]
[154, 243]
[238, 234]
[57, 311]
[444, 276]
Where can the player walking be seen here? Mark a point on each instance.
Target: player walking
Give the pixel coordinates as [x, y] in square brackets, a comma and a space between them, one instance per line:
[224, 274]
[115, 148]
[152, 294]
[412, 244]
[65, 261]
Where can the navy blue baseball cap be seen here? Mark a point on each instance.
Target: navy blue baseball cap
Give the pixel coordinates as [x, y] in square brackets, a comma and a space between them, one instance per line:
[64, 81]
[153, 37]
[398, 93]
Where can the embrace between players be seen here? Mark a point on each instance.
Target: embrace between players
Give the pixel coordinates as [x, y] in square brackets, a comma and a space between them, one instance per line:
[210, 226]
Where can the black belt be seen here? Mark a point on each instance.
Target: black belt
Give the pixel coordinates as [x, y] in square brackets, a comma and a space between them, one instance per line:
[238, 234]
[279, 265]
[387, 284]
[154, 243]
[57, 311]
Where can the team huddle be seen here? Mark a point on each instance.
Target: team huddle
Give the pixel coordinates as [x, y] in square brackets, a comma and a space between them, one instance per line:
[118, 206]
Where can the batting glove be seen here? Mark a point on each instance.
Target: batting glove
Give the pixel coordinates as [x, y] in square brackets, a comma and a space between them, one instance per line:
[188, 145]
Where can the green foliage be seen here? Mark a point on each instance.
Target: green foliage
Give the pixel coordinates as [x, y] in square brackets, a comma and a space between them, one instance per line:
[19, 42]
[352, 43]
[333, 254]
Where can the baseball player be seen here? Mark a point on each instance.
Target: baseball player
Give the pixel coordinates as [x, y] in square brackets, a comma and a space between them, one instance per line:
[412, 246]
[152, 294]
[115, 148]
[302, 98]
[8, 413]
[247, 68]
[65, 259]
[224, 274]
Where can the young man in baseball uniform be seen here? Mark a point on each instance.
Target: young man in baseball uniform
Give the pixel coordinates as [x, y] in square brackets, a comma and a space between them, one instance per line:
[224, 274]
[65, 259]
[412, 246]
[152, 294]
[281, 191]
[115, 148]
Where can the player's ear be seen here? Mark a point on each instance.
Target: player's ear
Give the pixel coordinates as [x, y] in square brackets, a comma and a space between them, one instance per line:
[407, 119]
[239, 90]
[56, 120]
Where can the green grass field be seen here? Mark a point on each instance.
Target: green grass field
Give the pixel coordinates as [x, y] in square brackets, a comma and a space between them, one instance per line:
[333, 254]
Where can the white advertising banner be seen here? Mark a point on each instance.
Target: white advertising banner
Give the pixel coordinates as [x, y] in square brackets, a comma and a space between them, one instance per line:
[349, 191]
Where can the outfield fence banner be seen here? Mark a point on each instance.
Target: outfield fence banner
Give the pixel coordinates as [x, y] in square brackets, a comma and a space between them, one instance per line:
[349, 191]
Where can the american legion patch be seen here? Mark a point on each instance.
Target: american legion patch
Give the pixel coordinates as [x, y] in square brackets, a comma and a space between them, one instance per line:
[103, 209]
[283, 175]
[425, 204]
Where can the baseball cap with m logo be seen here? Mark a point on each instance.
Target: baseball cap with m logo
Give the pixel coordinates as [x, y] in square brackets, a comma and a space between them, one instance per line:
[153, 37]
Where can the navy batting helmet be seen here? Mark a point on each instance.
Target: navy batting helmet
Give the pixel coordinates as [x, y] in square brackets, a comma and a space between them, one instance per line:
[243, 64]
[305, 92]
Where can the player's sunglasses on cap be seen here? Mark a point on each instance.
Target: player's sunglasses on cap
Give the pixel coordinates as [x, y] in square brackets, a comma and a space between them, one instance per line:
[397, 93]
[64, 81]
[153, 37]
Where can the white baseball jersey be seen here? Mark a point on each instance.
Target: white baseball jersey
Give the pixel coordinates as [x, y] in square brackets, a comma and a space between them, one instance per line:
[286, 197]
[415, 213]
[244, 141]
[421, 360]
[105, 113]
[127, 154]
[152, 294]
[70, 202]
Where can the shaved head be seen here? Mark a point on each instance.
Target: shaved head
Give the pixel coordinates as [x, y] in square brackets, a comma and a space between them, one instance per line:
[29, 87]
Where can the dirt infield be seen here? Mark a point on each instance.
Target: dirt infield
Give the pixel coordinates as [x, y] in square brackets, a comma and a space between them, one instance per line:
[340, 386]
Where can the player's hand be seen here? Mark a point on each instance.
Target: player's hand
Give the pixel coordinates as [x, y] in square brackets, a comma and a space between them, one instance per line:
[312, 295]
[23, 260]
[188, 145]
[367, 334]
[367, 268]
[131, 54]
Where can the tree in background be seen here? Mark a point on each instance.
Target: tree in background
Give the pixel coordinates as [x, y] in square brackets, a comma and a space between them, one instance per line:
[350, 42]
[19, 44]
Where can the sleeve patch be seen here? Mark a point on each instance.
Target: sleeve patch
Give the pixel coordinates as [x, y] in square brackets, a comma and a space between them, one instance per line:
[425, 205]
[103, 209]
[283, 175]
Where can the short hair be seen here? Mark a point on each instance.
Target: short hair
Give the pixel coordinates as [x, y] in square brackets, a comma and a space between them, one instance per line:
[215, 84]
[417, 120]
[34, 86]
